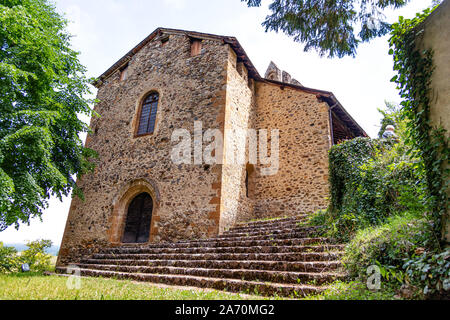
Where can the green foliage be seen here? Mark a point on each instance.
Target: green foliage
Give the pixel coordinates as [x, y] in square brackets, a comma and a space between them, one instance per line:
[345, 160]
[387, 245]
[430, 271]
[393, 195]
[8, 258]
[392, 116]
[318, 218]
[380, 204]
[35, 255]
[329, 26]
[370, 180]
[42, 89]
[354, 290]
[414, 70]
[406, 253]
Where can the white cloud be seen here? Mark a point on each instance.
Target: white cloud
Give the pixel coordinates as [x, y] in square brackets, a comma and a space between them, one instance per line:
[73, 15]
[51, 228]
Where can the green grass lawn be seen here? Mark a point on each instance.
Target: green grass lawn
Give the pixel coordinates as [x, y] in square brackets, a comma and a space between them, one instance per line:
[40, 287]
[36, 286]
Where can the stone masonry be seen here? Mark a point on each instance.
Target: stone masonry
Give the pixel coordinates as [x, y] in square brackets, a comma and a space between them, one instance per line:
[271, 257]
[207, 78]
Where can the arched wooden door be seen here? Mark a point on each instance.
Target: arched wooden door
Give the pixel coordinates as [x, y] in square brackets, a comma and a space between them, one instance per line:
[139, 218]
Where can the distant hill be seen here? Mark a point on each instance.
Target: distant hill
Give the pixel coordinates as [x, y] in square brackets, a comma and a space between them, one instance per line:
[21, 247]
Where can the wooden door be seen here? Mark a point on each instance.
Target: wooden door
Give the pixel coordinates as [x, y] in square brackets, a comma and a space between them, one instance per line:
[139, 218]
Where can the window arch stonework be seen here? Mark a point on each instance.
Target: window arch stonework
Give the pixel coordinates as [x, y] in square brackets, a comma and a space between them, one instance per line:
[120, 208]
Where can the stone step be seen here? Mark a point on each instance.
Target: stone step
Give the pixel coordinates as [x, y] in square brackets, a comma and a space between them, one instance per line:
[261, 223]
[273, 257]
[257, 232]
[253, 249]
[242, 274]
[276, 236]
[231, 285]
[313, 266]
[278, 225]
[293, 256]
[233, 243]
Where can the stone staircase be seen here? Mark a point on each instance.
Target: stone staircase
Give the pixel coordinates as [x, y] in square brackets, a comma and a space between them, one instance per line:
[272, 257]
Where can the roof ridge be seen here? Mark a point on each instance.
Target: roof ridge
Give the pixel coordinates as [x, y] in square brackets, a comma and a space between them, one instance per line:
[232, 41]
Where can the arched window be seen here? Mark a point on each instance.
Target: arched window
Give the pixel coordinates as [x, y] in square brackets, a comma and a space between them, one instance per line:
[249, 180]
[147, 117]
[246, 183]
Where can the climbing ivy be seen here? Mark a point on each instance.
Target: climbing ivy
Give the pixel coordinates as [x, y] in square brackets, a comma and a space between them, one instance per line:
[371, 180]
[414, 69]
[345, 160]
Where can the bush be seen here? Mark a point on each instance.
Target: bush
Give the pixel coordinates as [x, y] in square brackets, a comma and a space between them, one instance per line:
[379, 205]
[406, 253]
[370, 181]
[388, 245]
[8, 259]
[431, 271]
[345, 159]
[35, 255]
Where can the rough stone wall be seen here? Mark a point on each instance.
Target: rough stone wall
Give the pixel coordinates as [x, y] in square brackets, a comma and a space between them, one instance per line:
[437, 38]
[239, 106]
[301, 183]
[193, 201]
[187, 197]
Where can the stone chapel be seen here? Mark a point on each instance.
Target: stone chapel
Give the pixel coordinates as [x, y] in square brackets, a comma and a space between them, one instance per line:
[171, 79]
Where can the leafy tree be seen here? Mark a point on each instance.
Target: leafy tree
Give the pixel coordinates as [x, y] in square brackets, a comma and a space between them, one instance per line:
[333, 27]
[8, 258]
[42, 92]
[392, 115]
[36, 256]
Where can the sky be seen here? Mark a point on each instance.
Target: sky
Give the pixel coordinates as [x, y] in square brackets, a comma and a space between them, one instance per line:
[105, 30]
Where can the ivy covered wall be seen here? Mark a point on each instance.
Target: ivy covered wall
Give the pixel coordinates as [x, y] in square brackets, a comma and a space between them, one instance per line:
[415, 66]
[435, 36]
